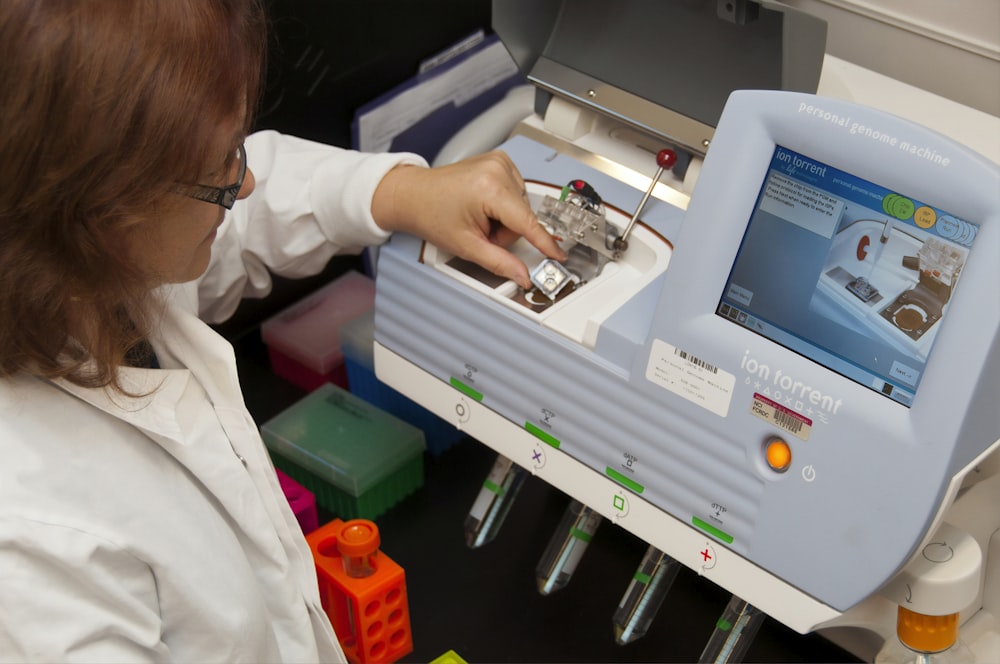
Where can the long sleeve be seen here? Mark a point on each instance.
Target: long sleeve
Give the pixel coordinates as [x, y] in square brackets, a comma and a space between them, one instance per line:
[71, 596]
[311, 202]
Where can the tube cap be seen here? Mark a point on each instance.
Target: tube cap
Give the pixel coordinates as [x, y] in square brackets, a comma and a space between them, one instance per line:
[925, 633]
[358, 537]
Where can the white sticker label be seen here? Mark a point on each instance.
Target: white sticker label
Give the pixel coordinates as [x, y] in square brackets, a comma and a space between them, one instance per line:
[690, 377]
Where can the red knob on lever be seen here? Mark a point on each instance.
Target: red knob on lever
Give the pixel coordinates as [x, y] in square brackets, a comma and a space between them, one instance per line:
[665, 159]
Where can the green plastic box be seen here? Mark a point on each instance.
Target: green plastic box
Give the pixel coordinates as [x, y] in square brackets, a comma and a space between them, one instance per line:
[357, 459]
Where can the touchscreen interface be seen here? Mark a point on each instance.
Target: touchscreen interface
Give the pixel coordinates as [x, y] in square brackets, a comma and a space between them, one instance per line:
[852, 275]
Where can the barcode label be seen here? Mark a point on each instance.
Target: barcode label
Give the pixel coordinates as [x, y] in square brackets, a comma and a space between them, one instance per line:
[695, 361]
[691, 378]
[774, 413]
[787, 422]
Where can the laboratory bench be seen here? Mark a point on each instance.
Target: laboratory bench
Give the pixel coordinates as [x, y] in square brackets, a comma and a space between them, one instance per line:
[484, 604]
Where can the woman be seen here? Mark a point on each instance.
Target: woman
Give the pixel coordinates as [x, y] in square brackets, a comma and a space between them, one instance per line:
[140, 517]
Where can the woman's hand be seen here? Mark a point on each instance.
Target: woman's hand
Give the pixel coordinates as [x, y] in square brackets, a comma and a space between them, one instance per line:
[475, 209]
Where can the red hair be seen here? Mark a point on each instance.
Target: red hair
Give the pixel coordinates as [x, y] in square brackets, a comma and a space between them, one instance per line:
[103, 108]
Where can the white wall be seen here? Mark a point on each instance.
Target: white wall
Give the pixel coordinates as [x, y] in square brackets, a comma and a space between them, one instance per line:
[949, 47]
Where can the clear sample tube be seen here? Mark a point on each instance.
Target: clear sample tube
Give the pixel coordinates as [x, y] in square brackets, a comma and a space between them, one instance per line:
[494, 501]
[568, 543]
[358, 542]
[733, 633]
[644, 595]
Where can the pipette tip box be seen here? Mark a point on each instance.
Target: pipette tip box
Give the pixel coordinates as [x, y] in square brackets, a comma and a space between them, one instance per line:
[357, 459]
[357, 338]
[303, 341]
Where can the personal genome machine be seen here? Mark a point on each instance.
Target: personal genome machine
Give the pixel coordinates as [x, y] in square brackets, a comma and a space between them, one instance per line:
[783, 374]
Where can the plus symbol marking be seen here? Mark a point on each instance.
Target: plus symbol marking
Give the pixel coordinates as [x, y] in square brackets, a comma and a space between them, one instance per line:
[706, 555]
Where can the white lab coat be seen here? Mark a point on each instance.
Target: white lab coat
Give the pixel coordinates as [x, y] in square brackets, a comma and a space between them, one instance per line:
[154, 529]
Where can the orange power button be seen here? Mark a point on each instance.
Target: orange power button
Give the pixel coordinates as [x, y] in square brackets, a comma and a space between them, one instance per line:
[778, 454]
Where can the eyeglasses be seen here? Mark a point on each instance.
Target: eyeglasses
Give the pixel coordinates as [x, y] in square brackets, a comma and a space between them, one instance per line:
[224, 196]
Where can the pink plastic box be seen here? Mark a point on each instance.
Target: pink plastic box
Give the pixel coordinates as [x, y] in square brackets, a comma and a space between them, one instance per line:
[302, 501]
[303, 341]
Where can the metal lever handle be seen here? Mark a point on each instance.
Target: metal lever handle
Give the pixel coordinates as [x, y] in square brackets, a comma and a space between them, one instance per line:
[664, 159]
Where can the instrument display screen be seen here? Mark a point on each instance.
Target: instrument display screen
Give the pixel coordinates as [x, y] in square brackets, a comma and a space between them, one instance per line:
[847, 273]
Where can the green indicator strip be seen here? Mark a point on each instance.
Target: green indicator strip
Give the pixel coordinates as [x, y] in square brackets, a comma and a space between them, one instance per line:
[465, 389]
[642, 578]
[712, 530]
[543, 436]
[625, 481]
[723, 625]
[580, 535]
[498, 490]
